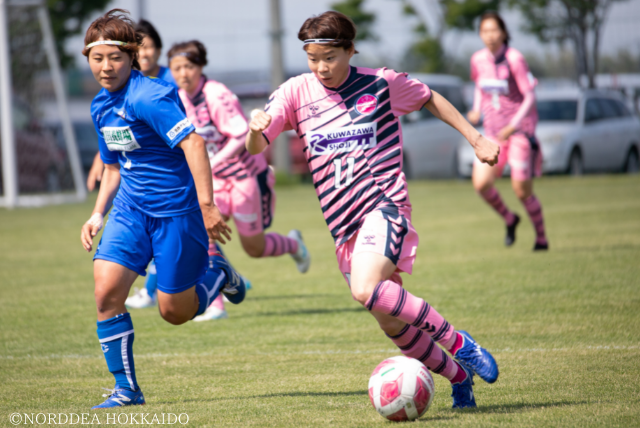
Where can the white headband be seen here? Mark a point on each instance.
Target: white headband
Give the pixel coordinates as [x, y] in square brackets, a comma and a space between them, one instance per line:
[320, 41]
[106, 42]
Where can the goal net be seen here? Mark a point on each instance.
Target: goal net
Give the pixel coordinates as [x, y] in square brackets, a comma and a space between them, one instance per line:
[40, 162]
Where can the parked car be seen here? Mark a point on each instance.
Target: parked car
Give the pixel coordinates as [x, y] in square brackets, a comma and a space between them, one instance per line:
[40, 163]
[430, 145]
[580, 131]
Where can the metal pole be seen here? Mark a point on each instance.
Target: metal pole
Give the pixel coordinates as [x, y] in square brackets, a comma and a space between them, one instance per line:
[61, 96]
[9, 161]
[142, 12]
[282, 158]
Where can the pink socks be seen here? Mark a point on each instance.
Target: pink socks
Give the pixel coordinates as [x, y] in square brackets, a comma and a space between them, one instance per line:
[492, 197]
[416, 344]
[534, 209]
[391, 299]
[277, 245]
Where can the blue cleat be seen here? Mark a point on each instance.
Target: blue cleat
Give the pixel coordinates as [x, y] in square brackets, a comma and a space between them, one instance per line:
[463, 393]
[120, 398]
[477, 359]
[235, 289]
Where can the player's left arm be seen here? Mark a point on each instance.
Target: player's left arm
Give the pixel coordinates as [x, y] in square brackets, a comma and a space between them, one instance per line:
[195, 152]
[526, 84]
[486, 150]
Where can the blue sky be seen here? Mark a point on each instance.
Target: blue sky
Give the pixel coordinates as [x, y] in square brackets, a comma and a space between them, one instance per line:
[236, 32]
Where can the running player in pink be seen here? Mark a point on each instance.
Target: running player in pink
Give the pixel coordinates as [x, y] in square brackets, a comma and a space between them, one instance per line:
[243, 183]
[505, 96]
[348, 118]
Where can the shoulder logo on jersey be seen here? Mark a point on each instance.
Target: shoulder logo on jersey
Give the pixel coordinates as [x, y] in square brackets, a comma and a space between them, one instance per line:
[366, 104]
[345, 139]
[119, 138]
[179, 127]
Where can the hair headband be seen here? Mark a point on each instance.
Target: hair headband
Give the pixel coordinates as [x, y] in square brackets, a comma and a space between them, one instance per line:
[193, 57]
[321, 41]
[106, 42]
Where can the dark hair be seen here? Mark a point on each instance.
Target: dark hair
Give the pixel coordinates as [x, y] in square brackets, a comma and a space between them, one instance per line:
[330, 25]
[193, 50]
[145, 28]
[115, 25]
[496, 17]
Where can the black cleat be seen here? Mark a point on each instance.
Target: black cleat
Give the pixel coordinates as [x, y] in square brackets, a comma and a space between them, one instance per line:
[541, 247]
[510, 238]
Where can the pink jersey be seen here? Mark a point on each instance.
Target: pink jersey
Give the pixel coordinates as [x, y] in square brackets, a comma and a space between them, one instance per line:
[353, 141]
[503, 81]
[217, 115]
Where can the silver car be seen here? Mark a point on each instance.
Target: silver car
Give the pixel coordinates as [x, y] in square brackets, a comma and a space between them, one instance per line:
[580, 131]
[430, 145]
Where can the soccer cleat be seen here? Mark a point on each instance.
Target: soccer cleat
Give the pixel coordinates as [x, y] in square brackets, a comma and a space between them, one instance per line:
[247, 285]
[235, 289]
[140, 299]
[301, 257]
[120, 398]
[463, 392]
[476, 359]
[212, 313]
[541, 246]
[510, 238]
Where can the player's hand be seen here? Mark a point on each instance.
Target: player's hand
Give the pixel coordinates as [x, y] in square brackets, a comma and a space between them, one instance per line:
[486, 150]
[90, 229]
[215, 224]
[260, 121]
[506, 132]
[473, 116]
[95, 173]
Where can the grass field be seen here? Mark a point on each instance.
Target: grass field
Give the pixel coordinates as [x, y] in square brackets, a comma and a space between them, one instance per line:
[564, 326]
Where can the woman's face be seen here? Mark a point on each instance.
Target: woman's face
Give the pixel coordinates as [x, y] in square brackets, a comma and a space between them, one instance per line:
[186, 74]
[148, 56]
[329, 64]
[110, 67]
[491, 34]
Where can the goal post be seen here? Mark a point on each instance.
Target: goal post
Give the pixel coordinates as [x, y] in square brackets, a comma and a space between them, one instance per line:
[36, 171]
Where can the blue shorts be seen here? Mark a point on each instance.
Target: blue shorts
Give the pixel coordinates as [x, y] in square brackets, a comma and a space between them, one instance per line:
[178, 244]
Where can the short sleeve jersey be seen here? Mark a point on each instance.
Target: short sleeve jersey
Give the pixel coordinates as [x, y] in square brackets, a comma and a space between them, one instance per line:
[165, 74]
[139, 127]
[503, 80]
[216, 113]
[353, 141]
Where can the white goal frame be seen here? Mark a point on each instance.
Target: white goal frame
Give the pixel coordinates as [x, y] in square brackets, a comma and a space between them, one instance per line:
[11, 197]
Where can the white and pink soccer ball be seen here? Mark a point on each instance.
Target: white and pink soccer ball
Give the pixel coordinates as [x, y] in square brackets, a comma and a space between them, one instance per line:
[401, 389]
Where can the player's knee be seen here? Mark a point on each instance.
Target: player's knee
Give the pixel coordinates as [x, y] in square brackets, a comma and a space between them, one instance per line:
[361, 294]
[174, 317]
[254, 251]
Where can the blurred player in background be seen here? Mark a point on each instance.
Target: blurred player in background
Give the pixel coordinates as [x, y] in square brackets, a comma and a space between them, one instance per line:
[243, 183]
[349, 119]
[158, 179]
[505, 96]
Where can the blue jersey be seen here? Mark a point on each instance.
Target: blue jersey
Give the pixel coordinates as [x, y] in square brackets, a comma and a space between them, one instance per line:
[165, 74]
[139, 127]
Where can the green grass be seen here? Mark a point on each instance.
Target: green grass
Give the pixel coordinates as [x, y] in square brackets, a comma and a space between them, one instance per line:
[564, 326]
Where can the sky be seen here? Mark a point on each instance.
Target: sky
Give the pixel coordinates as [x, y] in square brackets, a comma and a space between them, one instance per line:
[236, 33]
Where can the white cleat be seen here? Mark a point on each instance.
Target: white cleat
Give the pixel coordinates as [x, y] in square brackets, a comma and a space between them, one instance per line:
[301, 257]
[140, 299]
[212, 313]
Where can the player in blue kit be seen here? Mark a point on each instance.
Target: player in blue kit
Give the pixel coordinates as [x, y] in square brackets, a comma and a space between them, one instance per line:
[158, 179]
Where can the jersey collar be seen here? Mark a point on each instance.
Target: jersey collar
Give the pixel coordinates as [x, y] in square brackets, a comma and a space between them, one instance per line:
[350, 76]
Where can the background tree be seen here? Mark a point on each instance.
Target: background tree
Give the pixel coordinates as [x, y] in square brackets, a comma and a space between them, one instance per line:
[363, 20]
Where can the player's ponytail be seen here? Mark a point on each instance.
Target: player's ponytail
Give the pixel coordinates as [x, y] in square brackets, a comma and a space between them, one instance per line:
[332, 28]
[114, 28]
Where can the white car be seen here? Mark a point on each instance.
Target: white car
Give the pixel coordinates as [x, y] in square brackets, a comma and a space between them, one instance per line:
[580, 131]
[430, 145]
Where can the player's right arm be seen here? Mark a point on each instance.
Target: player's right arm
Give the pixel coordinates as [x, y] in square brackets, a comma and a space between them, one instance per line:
[95, 173]
[255, 141]
[108, 189]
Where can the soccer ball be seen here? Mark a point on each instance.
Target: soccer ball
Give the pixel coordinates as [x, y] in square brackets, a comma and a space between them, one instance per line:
[401, 389]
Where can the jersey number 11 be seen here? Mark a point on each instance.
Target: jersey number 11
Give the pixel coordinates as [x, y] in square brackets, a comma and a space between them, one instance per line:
[337, 163]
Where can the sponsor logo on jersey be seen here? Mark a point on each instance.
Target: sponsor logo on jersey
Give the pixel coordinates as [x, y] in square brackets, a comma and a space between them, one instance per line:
[180, 126]
[345, 139]
[366, 104]
[238, 124]
[314, 112]
[119, 138]
[494, 86]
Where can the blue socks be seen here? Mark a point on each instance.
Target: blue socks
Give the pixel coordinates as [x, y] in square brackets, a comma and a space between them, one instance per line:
[116, 340]
[209, 288]
[151, 284]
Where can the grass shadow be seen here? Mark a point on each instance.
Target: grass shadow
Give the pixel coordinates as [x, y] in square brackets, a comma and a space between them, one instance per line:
[273, 395]
[305, 312]
[292, 296]
[518, 407]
